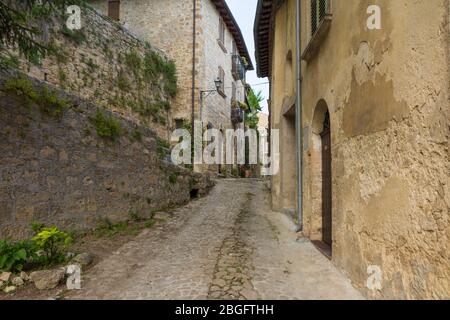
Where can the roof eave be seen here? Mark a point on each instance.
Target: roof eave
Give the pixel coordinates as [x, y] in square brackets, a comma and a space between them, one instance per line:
[233, 26]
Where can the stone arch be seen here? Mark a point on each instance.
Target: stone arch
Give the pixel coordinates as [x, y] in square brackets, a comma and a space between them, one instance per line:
[320, 183]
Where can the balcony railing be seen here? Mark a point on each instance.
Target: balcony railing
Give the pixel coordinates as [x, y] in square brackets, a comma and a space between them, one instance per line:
[238, 68]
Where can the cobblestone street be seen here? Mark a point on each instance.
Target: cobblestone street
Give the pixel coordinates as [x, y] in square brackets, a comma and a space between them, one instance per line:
[228, 245]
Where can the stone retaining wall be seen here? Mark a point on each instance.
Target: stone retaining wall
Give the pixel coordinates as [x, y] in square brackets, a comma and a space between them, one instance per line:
[56, 169]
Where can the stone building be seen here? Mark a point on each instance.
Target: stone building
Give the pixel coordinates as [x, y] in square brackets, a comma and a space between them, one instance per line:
[374, 133]
[220, 52]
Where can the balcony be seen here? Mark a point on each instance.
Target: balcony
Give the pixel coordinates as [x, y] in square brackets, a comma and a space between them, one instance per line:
[237, 68]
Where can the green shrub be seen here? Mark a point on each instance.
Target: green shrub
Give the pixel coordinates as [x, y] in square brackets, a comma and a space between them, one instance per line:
[21, 87]
[106, 127]
[51, 104]
[13, 256]
[52, 242]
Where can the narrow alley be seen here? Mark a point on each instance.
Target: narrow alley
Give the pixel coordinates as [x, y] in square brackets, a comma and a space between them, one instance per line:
[228, 245]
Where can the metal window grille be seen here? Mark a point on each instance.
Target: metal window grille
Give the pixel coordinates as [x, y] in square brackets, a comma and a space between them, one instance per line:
[319, 9]
[237, 67]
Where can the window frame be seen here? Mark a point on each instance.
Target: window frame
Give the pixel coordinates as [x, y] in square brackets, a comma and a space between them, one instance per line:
[222, 34]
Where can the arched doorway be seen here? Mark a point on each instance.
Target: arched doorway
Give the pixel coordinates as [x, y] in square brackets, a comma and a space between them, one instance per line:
[321, 220]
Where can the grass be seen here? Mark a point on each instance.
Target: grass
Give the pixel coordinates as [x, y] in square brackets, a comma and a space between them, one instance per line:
[131, 227]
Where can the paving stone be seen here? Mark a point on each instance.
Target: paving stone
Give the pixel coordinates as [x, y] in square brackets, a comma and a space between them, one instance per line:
[224, 246]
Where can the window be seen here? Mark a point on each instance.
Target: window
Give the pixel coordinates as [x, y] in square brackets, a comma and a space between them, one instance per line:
[235, 52]
[319, 9]
[221, 39]
[114, 9]
[222, 78]
[321, 17]
[221, 31]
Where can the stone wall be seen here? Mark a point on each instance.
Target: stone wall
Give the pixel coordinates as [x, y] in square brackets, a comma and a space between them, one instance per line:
[107, 65]
[217, 108]
[70, 163]
[168, 24]
[387, 92]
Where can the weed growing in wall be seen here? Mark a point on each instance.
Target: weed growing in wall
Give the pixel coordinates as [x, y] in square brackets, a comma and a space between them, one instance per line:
[22, 87]
[137, 135]
[134, 62]
[76, 36]
[51, 104]
[47, 100]
[155, 65]
[122, 82]
[162, 148]
[9, 61]
[173, 177]
[106, 126]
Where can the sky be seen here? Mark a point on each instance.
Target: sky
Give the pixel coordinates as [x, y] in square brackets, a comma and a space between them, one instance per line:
[244, 12]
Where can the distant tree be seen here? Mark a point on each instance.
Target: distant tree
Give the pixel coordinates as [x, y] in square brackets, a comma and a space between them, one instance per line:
[19, 28]
[254, 101]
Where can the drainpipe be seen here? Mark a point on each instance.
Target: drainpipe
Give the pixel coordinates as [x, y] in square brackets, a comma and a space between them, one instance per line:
[194, 33]
[298, 118]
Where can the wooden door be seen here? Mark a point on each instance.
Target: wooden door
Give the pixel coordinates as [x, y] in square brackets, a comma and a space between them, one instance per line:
[114, 9]
[326, 184]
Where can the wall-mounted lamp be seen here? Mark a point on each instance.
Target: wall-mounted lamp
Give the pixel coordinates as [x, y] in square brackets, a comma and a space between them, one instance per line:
[206, 93]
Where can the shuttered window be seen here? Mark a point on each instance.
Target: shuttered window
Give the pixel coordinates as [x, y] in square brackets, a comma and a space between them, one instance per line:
[222, 78]
[319, 8]
[114, 9]
[222, 31]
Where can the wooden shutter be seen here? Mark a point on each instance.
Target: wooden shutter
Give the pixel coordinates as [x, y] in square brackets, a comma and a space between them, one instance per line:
[222, 78]
[222, 31]
[114, 9]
